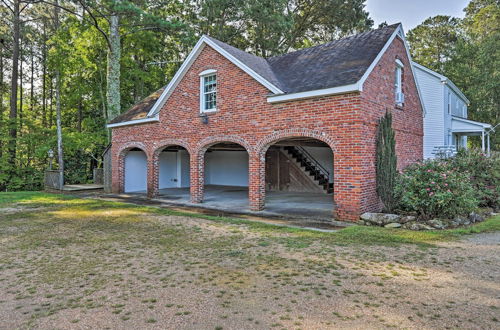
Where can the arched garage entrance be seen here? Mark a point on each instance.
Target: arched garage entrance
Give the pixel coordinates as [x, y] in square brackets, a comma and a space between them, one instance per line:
[299, 177]
[226, 176]
[174, 173]
[135, 171]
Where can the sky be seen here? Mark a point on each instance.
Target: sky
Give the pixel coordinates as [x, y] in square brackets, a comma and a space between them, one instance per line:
[412, 12]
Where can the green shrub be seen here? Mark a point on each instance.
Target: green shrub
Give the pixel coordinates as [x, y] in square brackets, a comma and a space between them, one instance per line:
[386, 163]
[435, 189]
[484, 174]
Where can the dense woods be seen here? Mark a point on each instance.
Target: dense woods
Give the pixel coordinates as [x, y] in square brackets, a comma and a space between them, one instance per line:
[85, 61]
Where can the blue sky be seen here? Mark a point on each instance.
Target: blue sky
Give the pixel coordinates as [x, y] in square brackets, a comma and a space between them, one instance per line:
[412, 12]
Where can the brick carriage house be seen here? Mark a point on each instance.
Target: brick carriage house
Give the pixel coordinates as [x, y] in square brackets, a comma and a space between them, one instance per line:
[293, 133]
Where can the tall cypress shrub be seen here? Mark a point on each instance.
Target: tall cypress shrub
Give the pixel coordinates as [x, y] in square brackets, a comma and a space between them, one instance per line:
[386, 162]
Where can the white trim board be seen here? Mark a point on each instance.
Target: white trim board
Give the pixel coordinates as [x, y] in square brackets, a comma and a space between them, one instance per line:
[398, 32]
[356, 87]
[315, 93]
[472, 122]
[204, 40]
[279, 96]
[134, 122]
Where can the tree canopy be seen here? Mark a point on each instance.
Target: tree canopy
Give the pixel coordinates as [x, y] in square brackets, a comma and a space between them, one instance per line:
[96, 58]
[468, 52]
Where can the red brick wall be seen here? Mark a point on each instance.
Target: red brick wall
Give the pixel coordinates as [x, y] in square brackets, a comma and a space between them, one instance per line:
[378, 96]
[245, 117]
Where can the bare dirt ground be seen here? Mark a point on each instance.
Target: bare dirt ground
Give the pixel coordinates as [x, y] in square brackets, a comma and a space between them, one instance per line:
[86, 266]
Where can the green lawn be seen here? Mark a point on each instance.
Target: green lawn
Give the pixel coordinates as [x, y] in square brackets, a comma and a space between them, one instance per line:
[353, 234]
[69, 262]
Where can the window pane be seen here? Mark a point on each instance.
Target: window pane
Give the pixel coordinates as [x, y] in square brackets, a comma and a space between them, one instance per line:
[209, 92]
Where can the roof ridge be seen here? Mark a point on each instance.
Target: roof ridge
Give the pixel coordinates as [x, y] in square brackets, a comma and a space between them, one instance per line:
[395, 25]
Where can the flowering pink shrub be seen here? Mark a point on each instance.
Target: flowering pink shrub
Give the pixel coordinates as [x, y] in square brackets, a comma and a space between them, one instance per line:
[436, 189]
[484, 175]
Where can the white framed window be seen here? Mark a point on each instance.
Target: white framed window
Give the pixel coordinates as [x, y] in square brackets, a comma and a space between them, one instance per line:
[449, 103]
[398, 83]
[208, 91]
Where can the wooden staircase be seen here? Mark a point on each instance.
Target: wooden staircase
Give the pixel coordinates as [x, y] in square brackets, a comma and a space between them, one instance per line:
[311, 166]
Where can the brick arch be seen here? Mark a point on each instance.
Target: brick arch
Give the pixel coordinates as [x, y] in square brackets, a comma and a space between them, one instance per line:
[154, 176]
[277, 136]
[258, 180]
[198, 161]
[125, 148]
[169, 143]
[206, 143]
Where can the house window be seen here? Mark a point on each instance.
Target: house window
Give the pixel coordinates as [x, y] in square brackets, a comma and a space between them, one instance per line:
[398, 83]
[208, 91]
[449, 103]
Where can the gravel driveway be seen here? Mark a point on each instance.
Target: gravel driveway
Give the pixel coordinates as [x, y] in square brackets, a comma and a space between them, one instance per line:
[91, 266]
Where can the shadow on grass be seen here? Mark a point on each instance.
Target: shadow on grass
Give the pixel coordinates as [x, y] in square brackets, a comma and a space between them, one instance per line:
[358, 235]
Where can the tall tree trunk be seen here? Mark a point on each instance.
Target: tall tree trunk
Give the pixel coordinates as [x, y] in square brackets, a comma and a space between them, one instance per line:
[44, 77]
[32, 80]
[13, 89]
[103, 105]
[21, 91]
[51, 98]
[113, 77]
[60, 155]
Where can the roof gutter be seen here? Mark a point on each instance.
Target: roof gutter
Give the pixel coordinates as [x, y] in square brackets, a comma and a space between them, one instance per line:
[134, 122]
[353, 88]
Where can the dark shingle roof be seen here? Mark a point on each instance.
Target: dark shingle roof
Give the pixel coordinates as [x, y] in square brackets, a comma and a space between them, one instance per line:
[139, 110]
[337, 63]
[258, 64]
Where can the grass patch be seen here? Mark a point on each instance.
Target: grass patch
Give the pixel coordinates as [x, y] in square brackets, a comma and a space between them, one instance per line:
[69, 207]
[67, 253]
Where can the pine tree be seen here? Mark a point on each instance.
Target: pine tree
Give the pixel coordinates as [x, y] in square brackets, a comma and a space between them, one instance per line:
[386, 162]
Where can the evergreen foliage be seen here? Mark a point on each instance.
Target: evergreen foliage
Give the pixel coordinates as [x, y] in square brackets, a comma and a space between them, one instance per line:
[386, 163]
[110, 54]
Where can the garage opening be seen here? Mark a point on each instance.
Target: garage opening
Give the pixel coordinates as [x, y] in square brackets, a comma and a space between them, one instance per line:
[136, 171]
[173, 173]
[226, 176]
[299, 177]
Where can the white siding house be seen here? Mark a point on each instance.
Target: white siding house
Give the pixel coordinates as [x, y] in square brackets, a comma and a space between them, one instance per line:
[446, 126]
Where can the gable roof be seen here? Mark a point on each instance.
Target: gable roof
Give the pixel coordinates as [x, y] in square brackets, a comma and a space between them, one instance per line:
[336, 67]
[139, 110]
[444, 80]
[258, 64]
[337, 63]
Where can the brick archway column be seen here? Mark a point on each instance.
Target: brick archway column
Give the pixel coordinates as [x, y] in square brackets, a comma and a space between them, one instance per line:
[348, 181]
[197, 176]
[153, 169]
[256, 181]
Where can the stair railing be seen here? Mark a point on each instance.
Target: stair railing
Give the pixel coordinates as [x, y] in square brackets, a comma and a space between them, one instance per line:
[313, 160]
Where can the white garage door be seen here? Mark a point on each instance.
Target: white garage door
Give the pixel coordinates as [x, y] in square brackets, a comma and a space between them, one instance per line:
[168, 170]
[226, 168]
[135, 171]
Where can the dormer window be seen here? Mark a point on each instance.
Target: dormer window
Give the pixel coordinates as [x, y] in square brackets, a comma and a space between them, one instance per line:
[208, 91]
[398, 83]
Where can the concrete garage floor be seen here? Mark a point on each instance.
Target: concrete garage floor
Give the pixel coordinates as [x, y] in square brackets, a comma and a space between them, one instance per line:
[313, 206]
